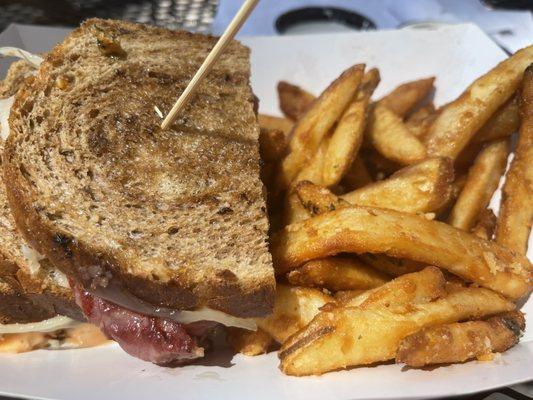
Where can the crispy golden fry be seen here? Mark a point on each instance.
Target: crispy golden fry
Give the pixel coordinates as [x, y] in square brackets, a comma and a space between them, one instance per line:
[293, 100]
[249, 343]
[461, 119]
[294, 211]
[516, 211]
[485, 225]
[391, 266]
[390, 137]
[270, 122]
[317, 199]
[420, 188]
[343, 296]
[481, 182]
[348, 336]
[458, 185]
[359, 230]
[419, 122]
[309, 131]
[357, 175]
[503, 123]
[272, 144]
[459, 342]
[294, 308]
[405, 97]
[416, 288]
[337, 273]
[312, 171]
[348, 134]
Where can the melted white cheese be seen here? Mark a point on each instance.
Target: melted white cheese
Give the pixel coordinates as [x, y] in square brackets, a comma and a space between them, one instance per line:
[33, 258]
[49, 325]
[32, 59]
[208, 314]
[185, 317]
[5, 109]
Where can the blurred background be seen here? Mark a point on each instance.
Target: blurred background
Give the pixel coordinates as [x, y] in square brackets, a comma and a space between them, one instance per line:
[508, 22]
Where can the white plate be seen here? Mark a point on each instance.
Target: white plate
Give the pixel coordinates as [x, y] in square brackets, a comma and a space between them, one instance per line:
[456, 55]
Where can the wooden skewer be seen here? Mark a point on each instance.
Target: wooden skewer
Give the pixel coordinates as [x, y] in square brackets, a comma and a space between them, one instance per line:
[225, 39]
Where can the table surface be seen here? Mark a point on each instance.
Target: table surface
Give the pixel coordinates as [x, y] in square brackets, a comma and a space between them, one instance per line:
[193, 15]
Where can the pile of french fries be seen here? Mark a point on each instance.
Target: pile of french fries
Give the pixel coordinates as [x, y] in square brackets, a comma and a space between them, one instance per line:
[383, 243]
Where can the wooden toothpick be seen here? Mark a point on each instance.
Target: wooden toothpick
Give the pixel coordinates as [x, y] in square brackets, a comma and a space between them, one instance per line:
[210, 60]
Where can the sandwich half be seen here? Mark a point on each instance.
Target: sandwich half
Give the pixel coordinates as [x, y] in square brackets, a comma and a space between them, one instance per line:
[37, 307]
[162, 233]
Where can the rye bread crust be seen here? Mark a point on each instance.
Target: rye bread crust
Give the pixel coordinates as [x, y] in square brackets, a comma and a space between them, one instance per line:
[26, 295]
[15, 306]
[237, 276]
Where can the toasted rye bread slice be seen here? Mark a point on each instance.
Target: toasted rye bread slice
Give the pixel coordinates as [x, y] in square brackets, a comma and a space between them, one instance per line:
[28, 293]
[177, 217]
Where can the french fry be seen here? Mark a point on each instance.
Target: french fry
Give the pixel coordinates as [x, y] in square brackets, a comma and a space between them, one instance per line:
[272, 144]
[270, 122]
[312, 171]
[419, 122]
[458, 122]
[358, 229]
[391, 266]
[357, 175]
[348, 336]
[485, 224]
[317, 199]
[337, 273]
[405, 97]
[309, 131]
[503, 123]
[459, 342]
[294, 308]
[293, 100]
[391, 137]
[293, 210]
[458, 185]
[421, 114]
[249, 343]
[399, 295]
[481, 182]
[415, 288]
[516, 211]
[420, 188]
[343, 296]
[348, 134]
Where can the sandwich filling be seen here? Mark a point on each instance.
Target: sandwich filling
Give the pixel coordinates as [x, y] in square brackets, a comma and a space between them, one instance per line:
[158, 340]
[57, 333]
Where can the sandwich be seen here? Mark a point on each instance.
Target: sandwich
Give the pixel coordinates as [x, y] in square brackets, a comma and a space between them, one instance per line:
[162, 234]
[37, 307]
